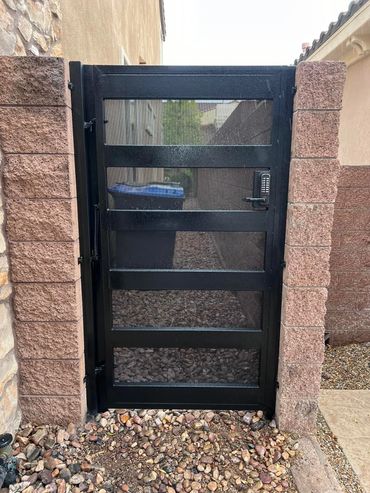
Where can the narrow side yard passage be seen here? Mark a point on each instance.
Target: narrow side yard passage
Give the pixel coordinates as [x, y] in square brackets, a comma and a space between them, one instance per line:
[344, 423]
[157, 451]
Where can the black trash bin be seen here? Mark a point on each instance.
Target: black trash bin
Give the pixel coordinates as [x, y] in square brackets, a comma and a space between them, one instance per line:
[145, 249]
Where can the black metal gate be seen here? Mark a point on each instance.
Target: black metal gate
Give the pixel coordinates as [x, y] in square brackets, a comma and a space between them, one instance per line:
[182, 176]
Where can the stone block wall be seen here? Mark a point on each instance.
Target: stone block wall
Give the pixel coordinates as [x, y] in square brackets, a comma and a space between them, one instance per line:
[27, 27]
[42, 234]
[348, 314]
[30, 27]
[312, 191]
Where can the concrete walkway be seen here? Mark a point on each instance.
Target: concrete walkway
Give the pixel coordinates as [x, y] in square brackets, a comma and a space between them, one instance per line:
[347, 413]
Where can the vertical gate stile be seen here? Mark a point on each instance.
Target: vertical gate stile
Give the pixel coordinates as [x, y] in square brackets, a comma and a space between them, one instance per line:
[83, 197]
[104, 296]
[267, 321]
[126, 164]
[282, 140]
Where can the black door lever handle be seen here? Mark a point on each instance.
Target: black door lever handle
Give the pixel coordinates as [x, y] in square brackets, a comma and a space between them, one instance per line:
[255, 199]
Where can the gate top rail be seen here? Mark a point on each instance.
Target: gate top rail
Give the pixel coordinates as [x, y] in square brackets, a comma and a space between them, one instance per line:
[194, 69]
[210, 82]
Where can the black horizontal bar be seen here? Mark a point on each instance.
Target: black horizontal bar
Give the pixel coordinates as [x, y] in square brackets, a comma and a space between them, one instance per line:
[188, 156]
[205, 337]
[190, 396]
[153, 279]
[193, 86]
[174, 220]
[186, 70]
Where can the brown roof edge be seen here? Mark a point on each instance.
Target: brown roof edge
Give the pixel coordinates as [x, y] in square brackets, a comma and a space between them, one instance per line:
[163, 19]
[333, 27]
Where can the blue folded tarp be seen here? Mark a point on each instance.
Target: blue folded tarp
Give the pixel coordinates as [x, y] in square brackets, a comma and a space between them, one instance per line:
[152, 190]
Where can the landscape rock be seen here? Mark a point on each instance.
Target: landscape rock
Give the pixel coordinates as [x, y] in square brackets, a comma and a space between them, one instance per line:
[46, 476]
[157, 451]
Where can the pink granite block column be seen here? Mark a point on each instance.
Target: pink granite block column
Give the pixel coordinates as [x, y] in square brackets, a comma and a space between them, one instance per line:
[42, 231]
[312, 190]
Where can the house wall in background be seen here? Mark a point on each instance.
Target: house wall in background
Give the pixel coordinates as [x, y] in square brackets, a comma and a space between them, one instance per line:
[348, 305]
[93, 32]
[101, 32]
[354, 142]
[348, 316]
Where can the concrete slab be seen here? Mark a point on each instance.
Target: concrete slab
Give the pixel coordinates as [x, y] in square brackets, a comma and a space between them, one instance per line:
[347, 413]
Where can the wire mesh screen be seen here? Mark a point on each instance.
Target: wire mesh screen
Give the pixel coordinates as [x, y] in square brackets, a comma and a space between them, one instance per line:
[235, 309]
[188, 122]
[186, 365]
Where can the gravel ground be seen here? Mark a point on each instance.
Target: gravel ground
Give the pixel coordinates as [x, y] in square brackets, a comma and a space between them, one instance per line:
[184, 365]
[156, 451]
[336, 457]
[347, 367]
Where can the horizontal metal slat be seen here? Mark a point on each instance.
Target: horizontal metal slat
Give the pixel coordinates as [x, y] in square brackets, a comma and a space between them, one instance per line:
[186, 70]
[164, 220]
[188, 156]
[153, 279]
[205, 337]
[178, 86]
[190, 396]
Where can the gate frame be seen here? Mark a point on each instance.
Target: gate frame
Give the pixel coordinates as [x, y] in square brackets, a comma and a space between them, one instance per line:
[84, 115]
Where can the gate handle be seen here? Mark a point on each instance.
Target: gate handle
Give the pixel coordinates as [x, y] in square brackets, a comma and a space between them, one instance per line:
[255, 199]
[95, 252]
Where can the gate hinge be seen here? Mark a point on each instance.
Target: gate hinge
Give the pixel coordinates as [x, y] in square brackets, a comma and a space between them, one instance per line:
[294, 90]
[97, 371]
[70, 85]
[89, 125]
[283, 264]
[94, 257]
[91, 258]
[99, 368]
[277, 385]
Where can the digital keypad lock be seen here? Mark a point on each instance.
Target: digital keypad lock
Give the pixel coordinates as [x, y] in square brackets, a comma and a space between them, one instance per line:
[261, 190]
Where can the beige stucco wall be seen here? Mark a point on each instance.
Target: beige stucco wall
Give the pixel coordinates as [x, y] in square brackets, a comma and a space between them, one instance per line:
[351, 44]
[354, 142]
[96, 31]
